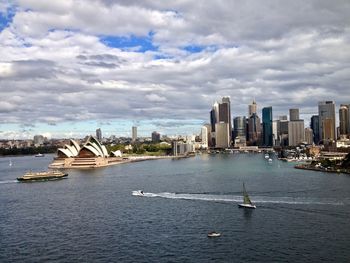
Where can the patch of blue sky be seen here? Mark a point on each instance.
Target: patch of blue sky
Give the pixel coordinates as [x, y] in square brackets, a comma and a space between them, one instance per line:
[6, 18]
[200, 48]
[132, 42]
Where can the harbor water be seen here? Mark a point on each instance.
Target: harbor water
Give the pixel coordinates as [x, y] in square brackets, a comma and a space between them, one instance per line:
[92, 216]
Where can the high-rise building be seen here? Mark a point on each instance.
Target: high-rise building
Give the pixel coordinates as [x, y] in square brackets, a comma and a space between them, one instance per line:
[283, 118]
[252, 108]
[204, 137]
[326, 113]
[221, 113]
[282, 128]
[134, 134]
[99, 134]
[309, 136]
[267, 126]
[38, 140]
[254, 129]
[222, 135]
[155, 136]
[239, 126]
[344, 119]
[296, 132]
[315, 126]
[294, 114]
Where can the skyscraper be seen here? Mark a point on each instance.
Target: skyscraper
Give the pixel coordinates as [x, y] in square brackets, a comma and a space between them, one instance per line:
[344, 119]
[220, 118]
[309, 136]
[239, 126]
[134, 134]
[99, 134]
[294, 114]
[326, 113]
[204, 136]
[267, 126]
[315, 126]
[296, 132]
[254, 129]
[252, 108]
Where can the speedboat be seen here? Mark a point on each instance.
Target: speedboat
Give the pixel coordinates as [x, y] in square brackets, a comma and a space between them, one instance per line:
[214, 234]
[138, 193]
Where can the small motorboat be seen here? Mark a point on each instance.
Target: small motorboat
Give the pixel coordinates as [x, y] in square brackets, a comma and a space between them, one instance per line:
[214, 234]
[138, 193]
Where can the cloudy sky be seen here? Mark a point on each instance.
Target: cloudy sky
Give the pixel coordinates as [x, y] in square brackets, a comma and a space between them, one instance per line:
[69, 67]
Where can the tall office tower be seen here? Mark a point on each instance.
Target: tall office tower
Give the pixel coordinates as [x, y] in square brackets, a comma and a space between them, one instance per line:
[225, 114]
[252, 108]
[221, 113]
[155, 137]
[222, 135]
[309, 136]
[296, 132]
[239, 126]
[294, 114]
[283, 132]
[254, 129]
[275, 137]
[204, 137]
[314, 125]
[344, 119]
[99, 134]
[326, 113]
[134, 134]
[267, 126]
[214, 116]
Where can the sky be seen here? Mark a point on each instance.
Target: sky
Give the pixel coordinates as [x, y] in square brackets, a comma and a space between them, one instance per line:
[70, 67]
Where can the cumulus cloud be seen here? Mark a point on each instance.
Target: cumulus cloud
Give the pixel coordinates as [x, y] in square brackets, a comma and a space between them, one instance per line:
[169, 61]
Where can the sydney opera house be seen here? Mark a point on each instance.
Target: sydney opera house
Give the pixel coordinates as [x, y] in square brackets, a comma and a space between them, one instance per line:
[92, 154]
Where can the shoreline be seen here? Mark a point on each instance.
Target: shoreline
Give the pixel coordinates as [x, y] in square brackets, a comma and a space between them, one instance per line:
[311, 168]
[92, 163]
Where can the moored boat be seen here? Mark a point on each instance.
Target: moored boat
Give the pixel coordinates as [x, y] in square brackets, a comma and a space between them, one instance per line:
[42, 176]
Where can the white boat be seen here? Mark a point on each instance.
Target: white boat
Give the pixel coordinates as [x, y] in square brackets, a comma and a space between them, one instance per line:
[138, 193]
[10, 163]
[267, 156]
[214, 234]
[39, 155]
[246, 200]
[269, 160]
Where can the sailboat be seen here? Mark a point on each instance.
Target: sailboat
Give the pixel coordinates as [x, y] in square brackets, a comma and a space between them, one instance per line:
[246, 200]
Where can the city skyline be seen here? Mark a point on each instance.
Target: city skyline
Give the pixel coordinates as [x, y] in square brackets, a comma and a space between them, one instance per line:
[63, 74]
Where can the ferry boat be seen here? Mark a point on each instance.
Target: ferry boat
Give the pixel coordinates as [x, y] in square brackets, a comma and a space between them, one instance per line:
[42, 176]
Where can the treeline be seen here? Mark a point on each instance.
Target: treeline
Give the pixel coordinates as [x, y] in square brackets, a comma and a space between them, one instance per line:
[28, 150]
[144, 148]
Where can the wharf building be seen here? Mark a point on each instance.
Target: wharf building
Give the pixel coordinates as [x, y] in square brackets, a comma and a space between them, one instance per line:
[326, 113]
[267, 126]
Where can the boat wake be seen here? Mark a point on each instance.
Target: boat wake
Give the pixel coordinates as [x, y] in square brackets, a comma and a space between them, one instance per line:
[238, 198]
[8, 181]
